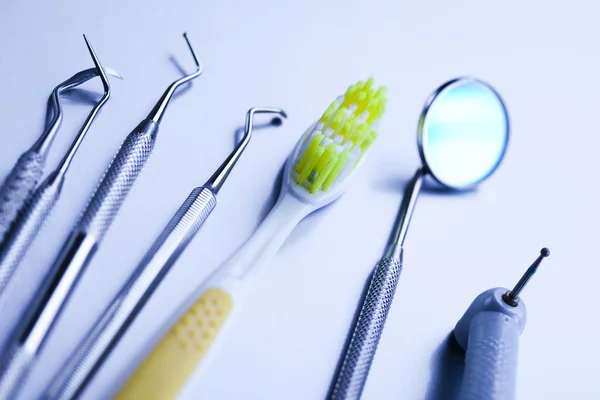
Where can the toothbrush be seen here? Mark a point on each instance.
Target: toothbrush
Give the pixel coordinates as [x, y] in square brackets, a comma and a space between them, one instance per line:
[489, 333]
[317, 173]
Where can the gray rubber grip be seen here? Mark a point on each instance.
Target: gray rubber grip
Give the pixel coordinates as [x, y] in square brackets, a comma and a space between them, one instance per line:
[118, 179]
[491, 359]
[18, 187]
[120, 313]
[367, 332]
[26, 227]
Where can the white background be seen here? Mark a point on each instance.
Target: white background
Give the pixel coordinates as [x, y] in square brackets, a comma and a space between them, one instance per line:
[542, 56]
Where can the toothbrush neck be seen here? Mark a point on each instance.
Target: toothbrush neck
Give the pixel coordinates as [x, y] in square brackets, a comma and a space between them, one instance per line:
[258, 251]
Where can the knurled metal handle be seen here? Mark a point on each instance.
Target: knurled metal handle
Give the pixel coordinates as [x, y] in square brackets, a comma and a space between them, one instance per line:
[118, 179]
[26, 227]
[18, 187]
[123, 309]
[358, 357]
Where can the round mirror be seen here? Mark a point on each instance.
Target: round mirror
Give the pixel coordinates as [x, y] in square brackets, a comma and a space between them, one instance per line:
[463, 133]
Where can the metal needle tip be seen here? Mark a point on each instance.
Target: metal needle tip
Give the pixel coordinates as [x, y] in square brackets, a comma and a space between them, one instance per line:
[512, 297]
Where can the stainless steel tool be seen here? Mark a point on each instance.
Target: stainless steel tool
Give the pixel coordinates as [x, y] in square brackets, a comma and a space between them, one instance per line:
[122, 310]
[34, 209]
[462, 137]
[489, 333]
[16, 361]
[23, 178]
[84, 239]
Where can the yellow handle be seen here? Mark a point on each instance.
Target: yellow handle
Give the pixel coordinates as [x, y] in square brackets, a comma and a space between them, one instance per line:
[164, 372]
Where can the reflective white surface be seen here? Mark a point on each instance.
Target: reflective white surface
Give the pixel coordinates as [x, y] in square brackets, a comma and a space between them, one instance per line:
[464, 133]
[540, 55]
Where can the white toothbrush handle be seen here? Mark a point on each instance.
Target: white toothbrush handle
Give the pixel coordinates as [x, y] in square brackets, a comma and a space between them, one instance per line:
[204, 317]
[491, 358]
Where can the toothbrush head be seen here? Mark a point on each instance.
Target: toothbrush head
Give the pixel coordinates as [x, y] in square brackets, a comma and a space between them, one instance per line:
[329, 151]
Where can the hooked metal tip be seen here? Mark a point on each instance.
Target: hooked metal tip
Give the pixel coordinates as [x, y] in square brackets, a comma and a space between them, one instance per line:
[216, 181]
[66, 161]
[98, 67]
[159, 109]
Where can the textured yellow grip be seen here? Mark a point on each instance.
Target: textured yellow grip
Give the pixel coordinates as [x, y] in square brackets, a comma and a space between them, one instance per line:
[162, 375]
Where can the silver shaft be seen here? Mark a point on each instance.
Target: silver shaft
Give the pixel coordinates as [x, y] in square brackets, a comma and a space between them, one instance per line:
[82, 243]
[351, 378]
[123, 309]
[407, 208]
[352, 375]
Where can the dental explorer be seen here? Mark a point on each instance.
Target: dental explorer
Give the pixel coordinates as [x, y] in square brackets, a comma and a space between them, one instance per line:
[17, 359]
[88, 232]
[26, 173]
[162, 255]
[37, 207]
[462, 138]
[489, 333]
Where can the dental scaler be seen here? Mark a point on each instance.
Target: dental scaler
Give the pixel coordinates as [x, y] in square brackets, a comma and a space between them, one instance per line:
[489, 333]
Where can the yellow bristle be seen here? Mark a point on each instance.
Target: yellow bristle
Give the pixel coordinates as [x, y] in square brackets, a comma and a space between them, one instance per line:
[348, 128]
[352, 119]
[310, 164]
[358, 135]
[310, 149]
[338, 119]
[323, 167]
[341, 162]
[328, 113]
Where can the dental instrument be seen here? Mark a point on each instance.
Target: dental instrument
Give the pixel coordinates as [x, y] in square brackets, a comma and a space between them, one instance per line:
[462, 137]
[489, 333]
[131, 298]
[20, 183]
[16, 360]
[37, 207]
[84, 239]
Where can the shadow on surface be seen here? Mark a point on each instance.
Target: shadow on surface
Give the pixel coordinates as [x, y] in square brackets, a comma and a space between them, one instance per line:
[186, 86]
[447, 368]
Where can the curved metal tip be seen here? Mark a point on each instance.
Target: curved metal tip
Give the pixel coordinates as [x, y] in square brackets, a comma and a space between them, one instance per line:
[216, 181]
[545, 252]
[159, 109]
[66, 161]
[98, 65]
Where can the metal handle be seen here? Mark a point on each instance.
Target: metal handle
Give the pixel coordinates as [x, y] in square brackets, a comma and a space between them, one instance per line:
[118, 180]
[15, 368]
[359, 355]
[26, 227]
[18, 187]
[491, 359]
[122, 310]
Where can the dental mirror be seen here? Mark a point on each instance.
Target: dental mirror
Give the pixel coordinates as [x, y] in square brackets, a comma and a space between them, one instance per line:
[462, 138]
